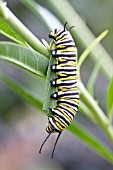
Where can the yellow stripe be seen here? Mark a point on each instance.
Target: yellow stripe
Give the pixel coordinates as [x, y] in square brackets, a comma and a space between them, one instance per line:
[67, 78]
[70, 63]
[58, 122]
[61, 46]
[70, 49]
[61, 59]
[58, 125]
[73, 111]
[71, 89]
[65, 37]
[69, 109]
[61, 74]
[76, 100]
[62, 88]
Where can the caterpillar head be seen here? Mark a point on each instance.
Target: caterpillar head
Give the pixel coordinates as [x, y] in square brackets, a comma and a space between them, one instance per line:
[53, 33]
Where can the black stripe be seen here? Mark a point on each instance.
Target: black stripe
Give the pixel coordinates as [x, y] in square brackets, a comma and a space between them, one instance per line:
[64, 84]
[66, 60]
[53, 112]
[66, 111]
[61, 83]
[66, 55]
[59, 122]
[67, 102]
[60, 33]
[52, 127]
[60, 37]
[67, 41]
[65, 69]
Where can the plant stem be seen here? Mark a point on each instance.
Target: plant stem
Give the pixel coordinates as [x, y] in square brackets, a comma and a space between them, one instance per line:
[11, 19]
[87, 112]
[110, 116]
[98, 113]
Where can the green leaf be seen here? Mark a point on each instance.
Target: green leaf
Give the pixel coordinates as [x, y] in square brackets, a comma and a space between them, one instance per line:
[22, 91]
[24, 57]
[92, 141]
[6, 30]
[48, 102]
[92, 79]
[19, 27]
[110, 100]
[90, 48]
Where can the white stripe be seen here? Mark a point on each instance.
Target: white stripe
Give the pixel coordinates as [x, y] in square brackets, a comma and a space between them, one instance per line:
[66, 58]
[67, 72]
[68, 92]
[62, 33]
[65, 44]
[66, 67]
[68, 112]
[76, 96]
[66, 81]
[53, 124]
[69, 86]
[65, 53]
[70, 102]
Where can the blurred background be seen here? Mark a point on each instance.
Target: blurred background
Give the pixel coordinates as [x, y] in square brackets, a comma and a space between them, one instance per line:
[22, 126]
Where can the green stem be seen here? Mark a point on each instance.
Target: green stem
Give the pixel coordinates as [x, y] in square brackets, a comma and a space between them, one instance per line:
[11, 19]
[96, 110]
[87, 112]
[110, 115]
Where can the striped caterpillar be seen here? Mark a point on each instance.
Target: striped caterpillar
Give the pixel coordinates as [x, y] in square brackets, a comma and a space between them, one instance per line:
[67, 94]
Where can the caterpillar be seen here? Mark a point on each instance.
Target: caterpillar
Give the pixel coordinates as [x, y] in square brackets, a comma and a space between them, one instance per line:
[67, 94]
